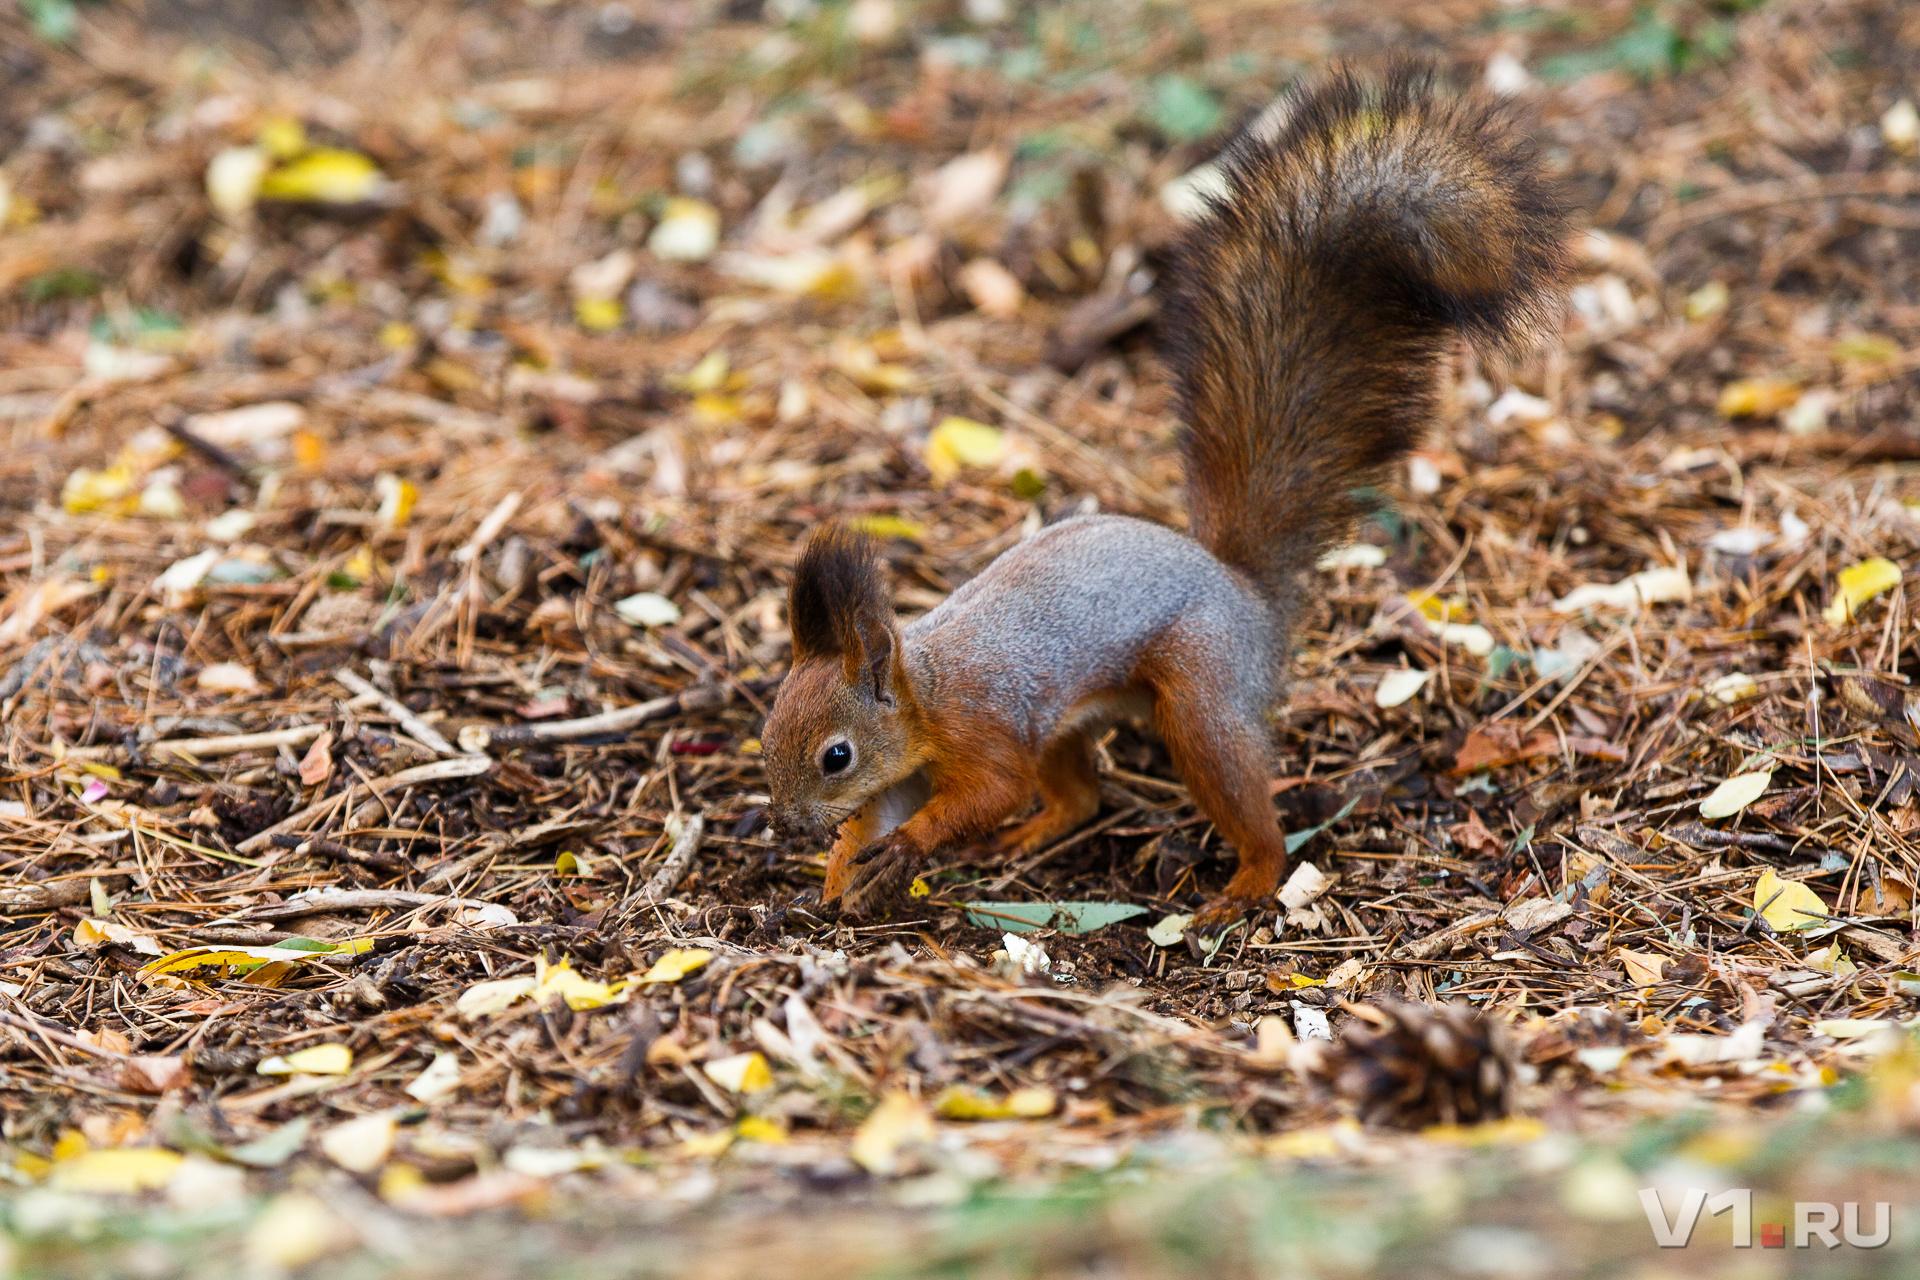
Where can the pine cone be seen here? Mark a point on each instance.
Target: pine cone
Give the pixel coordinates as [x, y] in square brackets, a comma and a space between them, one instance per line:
[1410, 1065]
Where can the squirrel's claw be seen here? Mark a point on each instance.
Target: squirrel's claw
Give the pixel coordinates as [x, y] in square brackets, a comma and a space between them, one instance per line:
[886, 868]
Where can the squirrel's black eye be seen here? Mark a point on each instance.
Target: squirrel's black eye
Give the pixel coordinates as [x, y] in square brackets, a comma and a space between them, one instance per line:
[836, 758]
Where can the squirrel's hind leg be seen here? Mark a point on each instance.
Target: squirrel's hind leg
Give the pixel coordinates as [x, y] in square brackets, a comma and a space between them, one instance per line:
[1222, 755]
[1069, 795]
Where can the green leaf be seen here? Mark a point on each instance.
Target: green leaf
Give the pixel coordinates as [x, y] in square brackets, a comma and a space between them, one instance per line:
[302, 944]
[1068, 917]
[55, 21]
[1299, 838]
[1183, 110]
[1085, 917]
[271, 1150]
[1009, 917]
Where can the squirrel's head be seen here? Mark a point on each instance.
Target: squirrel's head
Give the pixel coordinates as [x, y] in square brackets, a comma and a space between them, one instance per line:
[837, 734]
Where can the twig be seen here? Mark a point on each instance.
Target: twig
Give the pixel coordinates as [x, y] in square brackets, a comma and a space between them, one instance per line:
[419, 729]
[438, 771]
[489, 528]
[703, 697]
[674, 869]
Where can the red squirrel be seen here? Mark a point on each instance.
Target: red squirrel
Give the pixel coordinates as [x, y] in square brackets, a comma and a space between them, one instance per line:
[1307, 314]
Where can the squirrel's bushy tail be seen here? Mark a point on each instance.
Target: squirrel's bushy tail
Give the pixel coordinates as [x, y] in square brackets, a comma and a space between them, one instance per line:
[1309, 310]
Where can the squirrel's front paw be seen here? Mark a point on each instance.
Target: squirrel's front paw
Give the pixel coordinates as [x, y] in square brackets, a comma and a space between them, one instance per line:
[882, 872]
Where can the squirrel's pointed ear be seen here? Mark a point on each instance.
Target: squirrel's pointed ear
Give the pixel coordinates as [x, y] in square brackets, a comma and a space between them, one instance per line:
[838, 598]
[877, 662]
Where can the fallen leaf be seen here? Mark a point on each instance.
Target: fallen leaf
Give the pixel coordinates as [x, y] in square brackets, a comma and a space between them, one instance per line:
[1397, 687]
[94, 933]
[898, 1121]
[227, 677]
[1170, 930]
[233, 179]
[1757, 397]
[647, 609]
[675, 965]
[151, 1074]
[580, 993]
[1859, 583]
[1787, 904]
[121, 1171]
[963, 187]
[1643, 968]
[441, 1078]
[1736, 793]
[739, 1073]
[1650, 586]
[688, 231]
[992, 288]
[317, 765]
[273, 1149]
[330, 175]
[962, 1102]
[958, 443]
[1856, 1028]
[361, 1145]
[320, 1060]
[293, 1230]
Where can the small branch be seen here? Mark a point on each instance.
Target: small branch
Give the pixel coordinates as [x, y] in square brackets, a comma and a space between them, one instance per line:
[703, 697]
[675, 868]
[489, 528]
[334, 849]
[419, 729]
[438, 771]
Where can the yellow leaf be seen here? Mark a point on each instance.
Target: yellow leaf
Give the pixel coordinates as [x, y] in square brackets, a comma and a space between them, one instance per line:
[1757, 397]
[1643, 967]
[1708, 300]
[958, 1102]
[240, 959]
[110, 489]
[123, 1171]
[69, 1144]
[293, 1230]
[676, 965]
[397, 335]
[282, 137]
[233, 179]
[708, 1144]
[958, 443]
[740, 1073]
[579, 993]
[359, 565]
[1860, 583]
[320, 1060]
[711, 409]
[884, 527]
[1736, 793]
[330, 175]
[898, 1121]
[397, 497]
[761, 1129]
[688, 231]
[31, 1166]
[1831, 959]
[710, 374]
[598, 315]
[919, 888]
[567, 865]
[1787, 904]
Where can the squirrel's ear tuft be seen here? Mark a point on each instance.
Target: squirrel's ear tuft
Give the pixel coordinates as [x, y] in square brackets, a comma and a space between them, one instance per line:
[838, 597]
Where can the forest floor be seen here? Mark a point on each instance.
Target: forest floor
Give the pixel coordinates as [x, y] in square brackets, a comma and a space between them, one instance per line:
[413, 416]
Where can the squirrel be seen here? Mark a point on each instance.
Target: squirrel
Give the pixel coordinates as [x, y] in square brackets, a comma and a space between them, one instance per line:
[1307, 316]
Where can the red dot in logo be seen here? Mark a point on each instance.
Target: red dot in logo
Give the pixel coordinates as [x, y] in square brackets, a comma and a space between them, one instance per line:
[1773, 1235]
